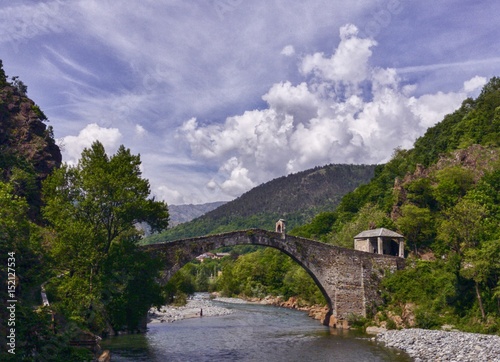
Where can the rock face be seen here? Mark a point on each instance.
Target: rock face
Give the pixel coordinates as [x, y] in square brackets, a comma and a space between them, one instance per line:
[28, 152]
[427, 345]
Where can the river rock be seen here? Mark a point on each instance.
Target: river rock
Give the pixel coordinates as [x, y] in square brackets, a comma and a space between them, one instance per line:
[375, 330]
[193, 308]
[430, 345]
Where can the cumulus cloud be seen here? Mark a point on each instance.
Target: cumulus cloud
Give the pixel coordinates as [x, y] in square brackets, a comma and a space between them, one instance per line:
[346, 112]
[72, 146]
[349, 62]
[238, 180]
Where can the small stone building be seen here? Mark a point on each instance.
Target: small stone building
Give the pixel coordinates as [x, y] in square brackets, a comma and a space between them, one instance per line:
[280, 226]
[380, 241]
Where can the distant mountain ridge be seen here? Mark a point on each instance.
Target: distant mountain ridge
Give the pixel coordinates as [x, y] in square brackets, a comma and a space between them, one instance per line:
[296, 197]
[184, 213]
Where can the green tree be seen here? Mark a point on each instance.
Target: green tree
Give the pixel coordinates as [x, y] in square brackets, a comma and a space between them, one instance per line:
[482, 265]
[453, 184]
[420, 193]
[129, 285]
[318, 228]
[369, 217]
[463, 226]
[417, 225]
[93, 208]
[430, 285]
[19, 241]
[19, 85]
[14, 225]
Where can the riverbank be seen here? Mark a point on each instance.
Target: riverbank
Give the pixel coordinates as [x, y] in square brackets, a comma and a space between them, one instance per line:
[317, 312]
[195, 308]
[430, 345]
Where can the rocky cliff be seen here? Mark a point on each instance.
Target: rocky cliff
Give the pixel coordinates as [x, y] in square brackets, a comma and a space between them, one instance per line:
[28, 152]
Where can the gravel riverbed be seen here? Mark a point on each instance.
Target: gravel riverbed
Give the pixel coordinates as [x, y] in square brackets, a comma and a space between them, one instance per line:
[429, 345]
[195, 308]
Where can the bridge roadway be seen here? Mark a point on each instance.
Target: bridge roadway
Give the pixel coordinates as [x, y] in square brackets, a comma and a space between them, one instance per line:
[349, 279]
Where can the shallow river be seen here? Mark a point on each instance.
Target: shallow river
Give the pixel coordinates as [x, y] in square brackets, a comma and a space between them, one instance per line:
[251, 333]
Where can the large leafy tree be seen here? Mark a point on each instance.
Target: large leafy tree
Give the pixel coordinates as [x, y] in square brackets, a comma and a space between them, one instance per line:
[94, 210]
[463, 226]
[416, 224]
[482, 265]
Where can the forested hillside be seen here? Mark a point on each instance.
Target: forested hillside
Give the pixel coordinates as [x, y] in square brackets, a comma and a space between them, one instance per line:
[28, 154]
[444, 196]
[296, 197]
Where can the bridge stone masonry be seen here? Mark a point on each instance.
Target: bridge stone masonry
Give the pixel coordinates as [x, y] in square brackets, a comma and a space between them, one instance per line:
[349, 279]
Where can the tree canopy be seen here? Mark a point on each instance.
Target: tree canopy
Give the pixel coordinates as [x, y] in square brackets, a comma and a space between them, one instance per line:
[95, 210]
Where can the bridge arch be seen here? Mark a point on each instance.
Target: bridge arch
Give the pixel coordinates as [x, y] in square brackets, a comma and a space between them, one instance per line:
[347, 278]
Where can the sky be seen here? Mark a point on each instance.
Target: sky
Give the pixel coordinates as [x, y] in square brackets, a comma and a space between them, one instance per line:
[219, 96]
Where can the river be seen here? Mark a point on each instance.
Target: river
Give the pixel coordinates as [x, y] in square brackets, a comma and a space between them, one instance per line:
[251, 333]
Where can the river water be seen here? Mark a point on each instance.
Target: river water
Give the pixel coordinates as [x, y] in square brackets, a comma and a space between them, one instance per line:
[251, 333]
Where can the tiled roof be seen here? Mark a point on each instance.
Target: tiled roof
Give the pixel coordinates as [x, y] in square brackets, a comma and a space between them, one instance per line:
[378, 232]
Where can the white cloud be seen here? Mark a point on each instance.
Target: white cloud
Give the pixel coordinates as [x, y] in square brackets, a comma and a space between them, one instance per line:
[297, 101]
[349, 112]
[238, 180]
[288, 51]
[72, 146]
[172, 196]
[23, 22]
[432, 107]
[347, 64]
[474, 84]
[139, 130]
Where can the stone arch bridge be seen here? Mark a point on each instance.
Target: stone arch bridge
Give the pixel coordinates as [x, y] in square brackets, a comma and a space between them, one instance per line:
[348, 278]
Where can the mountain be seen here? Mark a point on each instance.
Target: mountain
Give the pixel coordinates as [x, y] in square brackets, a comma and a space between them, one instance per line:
[296, 197]
[183, 213]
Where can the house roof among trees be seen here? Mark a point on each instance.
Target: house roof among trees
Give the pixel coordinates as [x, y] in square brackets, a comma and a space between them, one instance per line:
[378, 232]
